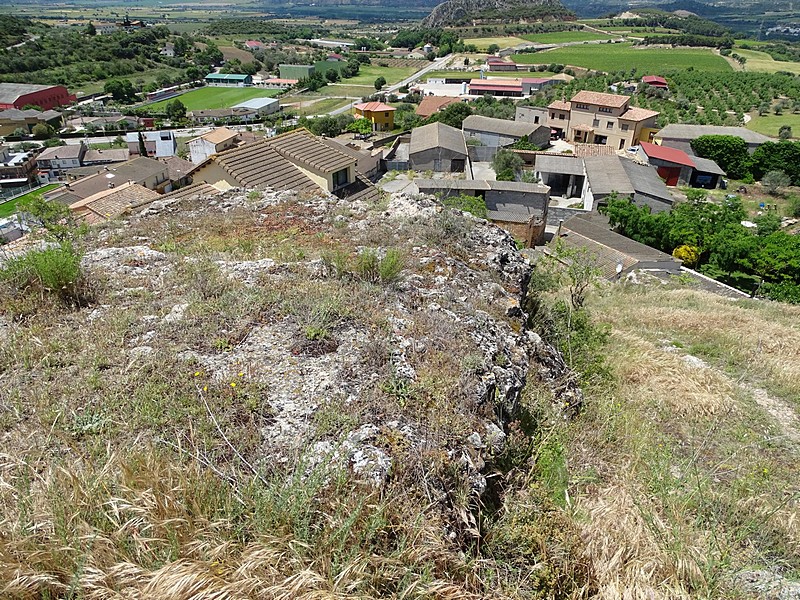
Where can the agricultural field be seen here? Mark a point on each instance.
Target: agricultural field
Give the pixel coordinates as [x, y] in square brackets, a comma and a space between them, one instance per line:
[10, 207]
[231, 52]
[504, 42]
[346, 90]
[770, 124]
[622, 57]
[367, 74]
[564, 37]
[304, 106]
[216, 97]
[762, 62]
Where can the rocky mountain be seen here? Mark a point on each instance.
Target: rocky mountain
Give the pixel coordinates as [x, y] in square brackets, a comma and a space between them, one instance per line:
[454, 12]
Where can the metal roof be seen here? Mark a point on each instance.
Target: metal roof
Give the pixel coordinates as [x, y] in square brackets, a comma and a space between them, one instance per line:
[500, 126]
[437, 135]
[667, 154]
[10, 92]
[257, 103]
[645, 181]
[228, 76]
[706, 165]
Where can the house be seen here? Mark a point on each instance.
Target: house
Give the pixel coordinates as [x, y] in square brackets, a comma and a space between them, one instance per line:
[496, 87]
[146, 172]
[296, 71]
[168, 50]
[498, 133]
[109, 156]
[12, 119]
[367, 162]
[53, 162]
[335, 57]
[607, 175]
[430, 105]
[499, 64]
[179, 171]
[211, 143]
[104, 28]
[656, 82]
[46, 97]
[676, 167]
[229, 79]
[680, 136]
[157, 143]
[297, 160]
[379, 114]
[438, 147]
[254, 45]
[16, 168]
[519, 208]
[599, 118]
[564, 174]
[261, 106]
[613, 254]
[223, 115]
[112, 202]
[531, 114]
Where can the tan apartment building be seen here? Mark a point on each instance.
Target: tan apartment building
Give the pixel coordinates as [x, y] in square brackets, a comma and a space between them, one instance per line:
[598, 118]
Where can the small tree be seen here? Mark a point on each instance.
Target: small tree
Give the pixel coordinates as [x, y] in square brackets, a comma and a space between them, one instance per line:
[176, 110]
[20, 132]
[380, 82]
[360, 126]
[42, 131]
[506, 164]
[492, 48]
[774, 180]
[90, 29]
[785, 132]
[332, 75]
[142, 145]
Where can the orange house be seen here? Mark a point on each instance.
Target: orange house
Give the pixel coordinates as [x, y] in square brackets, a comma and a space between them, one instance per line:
[379, 114]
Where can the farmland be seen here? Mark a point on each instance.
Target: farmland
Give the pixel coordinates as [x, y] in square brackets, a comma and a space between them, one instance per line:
[763, 63]
[367, 74]
[564, 37]
[503, 42]
[623, 57]
[216, 97]
[304, 106]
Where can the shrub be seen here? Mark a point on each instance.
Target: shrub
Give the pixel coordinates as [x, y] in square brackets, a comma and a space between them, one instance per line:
[366, 267]
[688, 254]
[54, 271]
[470, 204]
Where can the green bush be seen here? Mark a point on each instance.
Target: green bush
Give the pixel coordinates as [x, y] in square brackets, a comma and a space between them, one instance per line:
[54, 271]
[470, 204]
[367, 266]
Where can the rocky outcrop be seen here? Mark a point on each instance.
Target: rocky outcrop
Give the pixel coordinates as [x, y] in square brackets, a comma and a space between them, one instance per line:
[453, 12]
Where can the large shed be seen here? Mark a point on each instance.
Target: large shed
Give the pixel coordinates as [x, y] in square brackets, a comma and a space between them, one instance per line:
[438, 147]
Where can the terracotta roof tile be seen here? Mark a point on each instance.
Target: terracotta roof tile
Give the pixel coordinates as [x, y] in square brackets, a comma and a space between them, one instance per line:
[600, 99]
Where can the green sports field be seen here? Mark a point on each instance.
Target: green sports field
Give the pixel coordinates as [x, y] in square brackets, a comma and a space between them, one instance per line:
[216, 97]
[622, 57]
[10, 207]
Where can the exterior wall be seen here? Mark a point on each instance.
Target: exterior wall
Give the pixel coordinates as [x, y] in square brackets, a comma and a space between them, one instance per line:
[435, 159]
[538, 200]
[608, 129]
[200, 150]
[531, 114]
[213, 174]
[381, 120]
[57, 95]
[488, 138]
[559, 119]
[295, 71]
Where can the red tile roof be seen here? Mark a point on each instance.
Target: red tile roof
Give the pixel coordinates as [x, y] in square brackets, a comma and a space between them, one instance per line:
[637, 114]
[673, 155]
[654, 80]
[600, 99]
[432, 104]
[373, 107]
[560, 105]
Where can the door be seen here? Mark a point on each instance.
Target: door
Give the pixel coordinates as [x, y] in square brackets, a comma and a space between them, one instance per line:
[670, 175]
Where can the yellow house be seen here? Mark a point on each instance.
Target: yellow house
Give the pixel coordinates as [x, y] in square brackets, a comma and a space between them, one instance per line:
[379, 114]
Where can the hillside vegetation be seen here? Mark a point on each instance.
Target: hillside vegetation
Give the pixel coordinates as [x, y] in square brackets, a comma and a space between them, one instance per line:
[278, 395]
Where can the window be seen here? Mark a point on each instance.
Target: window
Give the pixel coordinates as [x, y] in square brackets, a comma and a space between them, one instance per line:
[552, 115]
[596, 123]
[561, 116]
[609, 124]
[624, 127]
[605, 109]
[340, 178]
[582, 106]
[386, 114]
[535, 120]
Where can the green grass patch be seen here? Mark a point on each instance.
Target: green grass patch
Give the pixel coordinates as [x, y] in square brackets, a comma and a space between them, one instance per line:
[216, 97]
[761, 62]
[770, 124]
[504, 42]
[321, 106]
[618, 57]
[367, 74]
[10, 207]
[563, 37]
[346, 91]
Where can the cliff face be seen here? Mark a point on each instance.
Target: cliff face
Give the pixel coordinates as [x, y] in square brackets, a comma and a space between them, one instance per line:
[254, 339]
[454, 12]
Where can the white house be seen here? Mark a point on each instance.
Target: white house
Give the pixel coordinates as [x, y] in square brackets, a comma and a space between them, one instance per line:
[216, 141]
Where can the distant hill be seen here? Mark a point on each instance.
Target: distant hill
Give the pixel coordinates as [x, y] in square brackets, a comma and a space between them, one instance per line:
[454, 12]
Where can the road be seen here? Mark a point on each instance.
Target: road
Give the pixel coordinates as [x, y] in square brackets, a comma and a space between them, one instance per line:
[179, 133]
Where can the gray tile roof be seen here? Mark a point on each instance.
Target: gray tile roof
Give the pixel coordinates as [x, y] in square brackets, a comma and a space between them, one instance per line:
[645, 180]
[606, 175]
[437, 135]
[500, 126]
[706, 165]
[110, 155]
[62, 152]
[679, 131]
[258, 164]
[304, 147]
[137, 170]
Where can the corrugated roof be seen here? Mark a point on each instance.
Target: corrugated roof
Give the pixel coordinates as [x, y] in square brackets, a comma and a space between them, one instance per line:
[706, 165]
[496, 83]
[559, 163]
[606, 175]
[645, 181]
[227, 76]
[678, 131]
[304, 147]
[637, 114]
[10, 92]
[667, 154]
[514, 211]
[437, 135]
[600, 99]
[499, 126]
[16, 114]
[452, 184]
[257, 103]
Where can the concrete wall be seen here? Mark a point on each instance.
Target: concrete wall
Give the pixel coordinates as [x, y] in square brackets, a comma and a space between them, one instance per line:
[481, 153]
[488, 138]
[531, 114]
[435, 159]
[538, 200]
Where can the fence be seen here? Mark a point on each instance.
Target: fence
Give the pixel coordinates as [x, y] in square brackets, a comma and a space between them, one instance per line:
[9, 195]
